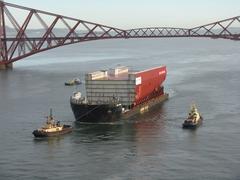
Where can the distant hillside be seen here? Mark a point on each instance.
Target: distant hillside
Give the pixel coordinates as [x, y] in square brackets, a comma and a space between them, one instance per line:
[62, 32]
[39, 32]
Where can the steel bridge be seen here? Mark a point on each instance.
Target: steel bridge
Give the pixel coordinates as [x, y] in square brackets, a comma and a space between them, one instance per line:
[19, 39]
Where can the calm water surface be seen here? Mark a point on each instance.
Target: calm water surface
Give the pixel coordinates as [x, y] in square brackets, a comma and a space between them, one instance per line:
[151, 146]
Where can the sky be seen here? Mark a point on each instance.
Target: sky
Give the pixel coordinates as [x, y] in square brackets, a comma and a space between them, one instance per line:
[127, 14]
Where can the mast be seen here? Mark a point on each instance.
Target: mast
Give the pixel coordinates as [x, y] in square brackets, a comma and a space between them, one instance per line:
[50, 115]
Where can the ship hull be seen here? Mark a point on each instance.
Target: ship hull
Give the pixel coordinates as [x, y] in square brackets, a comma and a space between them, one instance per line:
[66, 129]
[146, 106]
[191, 125]
[96, 113]
[106, 113]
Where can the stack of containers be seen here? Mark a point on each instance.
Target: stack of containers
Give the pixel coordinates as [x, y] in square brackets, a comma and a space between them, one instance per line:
[131, 88]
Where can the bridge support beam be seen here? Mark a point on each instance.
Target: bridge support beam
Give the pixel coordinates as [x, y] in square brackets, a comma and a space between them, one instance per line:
[6, 66]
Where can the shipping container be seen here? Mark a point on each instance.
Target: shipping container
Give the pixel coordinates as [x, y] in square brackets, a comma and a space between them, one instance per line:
[148, 82]
[131, 88]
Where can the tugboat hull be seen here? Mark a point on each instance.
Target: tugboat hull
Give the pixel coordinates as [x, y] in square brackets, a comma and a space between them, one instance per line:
[191, 125]
[66, 129]
[68, 84]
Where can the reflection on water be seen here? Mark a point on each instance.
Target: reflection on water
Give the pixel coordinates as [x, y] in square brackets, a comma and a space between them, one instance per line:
[50, 141]
[150, 132]
[146, 132]
[89, 133]
[152, 121]
[50, 145]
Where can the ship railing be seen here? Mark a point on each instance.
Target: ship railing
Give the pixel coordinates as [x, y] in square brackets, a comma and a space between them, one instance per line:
[78, 101]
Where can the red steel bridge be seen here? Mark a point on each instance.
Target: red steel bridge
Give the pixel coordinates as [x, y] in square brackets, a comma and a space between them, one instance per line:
[19, 38]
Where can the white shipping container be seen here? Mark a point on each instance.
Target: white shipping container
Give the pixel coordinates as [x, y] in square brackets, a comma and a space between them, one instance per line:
[96, 75]
[118, 70]
[101, 88]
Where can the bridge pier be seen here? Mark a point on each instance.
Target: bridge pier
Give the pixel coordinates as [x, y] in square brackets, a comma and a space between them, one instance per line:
[6, 66]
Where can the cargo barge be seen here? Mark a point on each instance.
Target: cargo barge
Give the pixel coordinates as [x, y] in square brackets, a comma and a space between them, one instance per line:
[119, 93]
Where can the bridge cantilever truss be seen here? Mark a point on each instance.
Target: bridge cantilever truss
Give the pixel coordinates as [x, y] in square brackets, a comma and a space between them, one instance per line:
[19, 39]
[226, 29]
[157, 32]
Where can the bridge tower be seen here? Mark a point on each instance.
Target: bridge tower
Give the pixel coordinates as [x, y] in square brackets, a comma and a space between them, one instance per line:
[3, 45]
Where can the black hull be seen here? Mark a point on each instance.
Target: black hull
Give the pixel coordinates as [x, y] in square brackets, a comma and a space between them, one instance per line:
[71, 84]
[108, 113]
[192, 125]
[68, 84]
[96, 113]
[66, 129]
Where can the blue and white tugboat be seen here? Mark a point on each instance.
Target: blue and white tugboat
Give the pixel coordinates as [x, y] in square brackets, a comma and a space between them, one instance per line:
[52, 128]
[194, 119]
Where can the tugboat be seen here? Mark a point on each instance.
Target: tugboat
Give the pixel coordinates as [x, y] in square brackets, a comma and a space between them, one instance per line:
[72, 82]
[194, 118]
[52, 128]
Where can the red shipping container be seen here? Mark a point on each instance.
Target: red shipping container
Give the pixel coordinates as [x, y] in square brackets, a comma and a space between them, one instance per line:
[148, 82]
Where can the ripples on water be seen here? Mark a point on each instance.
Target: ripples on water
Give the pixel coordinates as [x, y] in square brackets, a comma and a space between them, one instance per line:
[151, 146]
